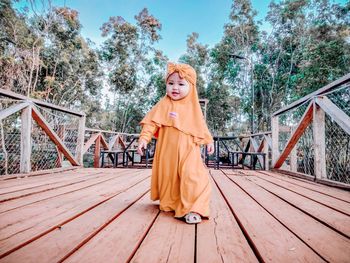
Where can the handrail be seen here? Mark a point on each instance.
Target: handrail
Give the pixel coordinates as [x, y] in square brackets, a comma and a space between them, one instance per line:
[320, 91]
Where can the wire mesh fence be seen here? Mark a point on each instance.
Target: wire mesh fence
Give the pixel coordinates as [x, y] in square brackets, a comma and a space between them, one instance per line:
[304, 149]
[44, 152]
[337, 141]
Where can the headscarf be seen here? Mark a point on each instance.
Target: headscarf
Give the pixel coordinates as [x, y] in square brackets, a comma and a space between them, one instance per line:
[184, 114]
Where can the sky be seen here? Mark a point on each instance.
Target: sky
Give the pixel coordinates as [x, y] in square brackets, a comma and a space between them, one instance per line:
[178, 18]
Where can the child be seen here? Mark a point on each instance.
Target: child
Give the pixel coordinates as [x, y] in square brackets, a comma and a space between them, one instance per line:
[180, 181]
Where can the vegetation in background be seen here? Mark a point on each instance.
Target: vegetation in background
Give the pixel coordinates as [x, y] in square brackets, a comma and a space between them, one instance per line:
[43, 55]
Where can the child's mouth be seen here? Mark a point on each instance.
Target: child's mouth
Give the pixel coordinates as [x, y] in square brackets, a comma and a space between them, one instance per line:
[174, 93]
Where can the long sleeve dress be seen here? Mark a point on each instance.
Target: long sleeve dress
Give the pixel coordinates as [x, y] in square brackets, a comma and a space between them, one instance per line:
[180, 180]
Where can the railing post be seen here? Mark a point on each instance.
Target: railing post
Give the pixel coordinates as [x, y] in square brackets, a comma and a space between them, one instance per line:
[97, 152]
[80, 142]
[319, 142]
[293, 156]
[274, 139]
[26, 145]
[266, 151]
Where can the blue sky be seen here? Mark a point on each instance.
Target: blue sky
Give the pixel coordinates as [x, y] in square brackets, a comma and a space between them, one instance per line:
[179, 18]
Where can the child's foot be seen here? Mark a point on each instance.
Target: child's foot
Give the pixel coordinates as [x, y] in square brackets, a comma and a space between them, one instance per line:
[193, 218]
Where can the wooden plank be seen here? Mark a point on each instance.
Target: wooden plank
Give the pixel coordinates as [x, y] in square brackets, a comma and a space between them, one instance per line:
[113, 244]
[319, 142]
[97, 152]
[80, 141]
[32, 182]
[331, 191]
[296, 134]
[329, 201]
[34, 224]
[216, 236]
[293, 159]
[26, 142]
[22, 181]
[53, 136]
[4, 113]
[104, 143]
[92, 181]
[11, 94]
[43, 187]
[169, 240]
[37, 173]
[339, 116]
[92, 234]
[90, 142]
[320, 91]
[328, 216]
[273, 241]
[275, 139]
[309, 230]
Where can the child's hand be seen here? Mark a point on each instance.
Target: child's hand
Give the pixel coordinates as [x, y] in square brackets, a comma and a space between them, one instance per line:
[210, 148]
[142, 145]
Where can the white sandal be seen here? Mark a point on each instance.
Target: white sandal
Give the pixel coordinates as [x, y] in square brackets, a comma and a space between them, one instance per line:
[193, 218]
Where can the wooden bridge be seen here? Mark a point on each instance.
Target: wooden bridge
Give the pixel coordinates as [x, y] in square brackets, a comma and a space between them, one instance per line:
[296, 210]
[105, 215]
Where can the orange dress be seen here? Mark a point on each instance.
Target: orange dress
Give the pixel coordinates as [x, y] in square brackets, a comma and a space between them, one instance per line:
[180, 180]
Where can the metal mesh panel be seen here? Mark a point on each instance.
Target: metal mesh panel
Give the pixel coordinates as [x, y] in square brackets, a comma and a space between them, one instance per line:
[337, 152]
[10, 139]
[305, 152]
[44, 152]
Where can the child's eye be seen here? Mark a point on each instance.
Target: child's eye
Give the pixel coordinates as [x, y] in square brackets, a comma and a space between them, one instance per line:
[181, 84]
[170, 83]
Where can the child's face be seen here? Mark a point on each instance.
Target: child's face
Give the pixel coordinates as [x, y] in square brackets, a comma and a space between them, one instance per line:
[176, 87]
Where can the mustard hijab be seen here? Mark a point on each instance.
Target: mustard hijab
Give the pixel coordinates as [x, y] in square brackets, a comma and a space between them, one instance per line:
[184, 114]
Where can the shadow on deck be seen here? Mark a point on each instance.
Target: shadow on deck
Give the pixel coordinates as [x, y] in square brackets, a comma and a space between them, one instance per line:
[106, 215]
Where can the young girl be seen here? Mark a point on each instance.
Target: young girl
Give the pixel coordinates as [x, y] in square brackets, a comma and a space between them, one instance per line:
[180, 181]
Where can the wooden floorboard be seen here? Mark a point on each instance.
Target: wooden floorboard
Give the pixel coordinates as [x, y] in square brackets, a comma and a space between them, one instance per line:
[106, 215]
[295, 220]
[333, 192]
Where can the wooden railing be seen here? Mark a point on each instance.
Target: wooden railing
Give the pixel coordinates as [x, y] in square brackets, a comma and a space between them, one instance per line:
[310, 136]
[318, 137]
[24, 120]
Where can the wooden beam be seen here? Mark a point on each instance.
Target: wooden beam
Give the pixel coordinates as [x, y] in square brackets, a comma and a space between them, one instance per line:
[90, 142]
[319, 142]
[11, 94]
[97, 152]
[320, 91]
[38, 117]
[26, 145]
[104, 143]
[297, 133]
[339, 116]
[80, 140]
[12, 109]
[293, 160]
[275, 138]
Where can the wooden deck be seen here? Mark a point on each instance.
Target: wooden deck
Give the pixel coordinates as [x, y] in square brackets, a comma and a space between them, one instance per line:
[105, 215]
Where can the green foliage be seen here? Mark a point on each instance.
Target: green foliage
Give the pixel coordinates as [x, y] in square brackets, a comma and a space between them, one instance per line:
[43, 55]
